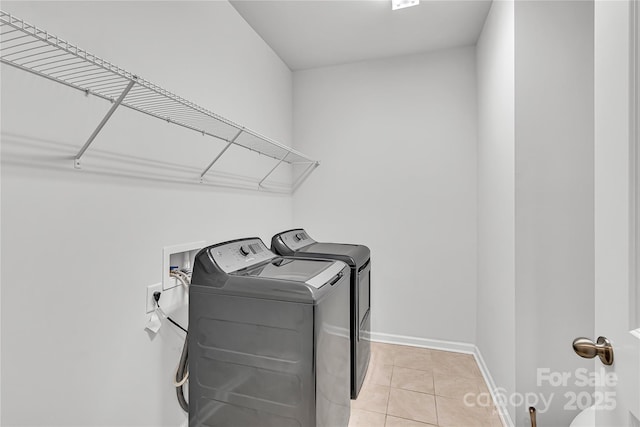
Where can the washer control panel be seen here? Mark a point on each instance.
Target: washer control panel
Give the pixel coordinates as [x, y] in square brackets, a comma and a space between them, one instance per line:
[296, 239]
[240, 254]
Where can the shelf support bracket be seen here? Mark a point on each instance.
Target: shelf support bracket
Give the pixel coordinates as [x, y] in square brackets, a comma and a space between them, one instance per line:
[76, 160]
[303, 176]
[274, 168]
[231, 141]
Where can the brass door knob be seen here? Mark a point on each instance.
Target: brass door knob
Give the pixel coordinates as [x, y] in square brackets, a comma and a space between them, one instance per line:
[586, 348]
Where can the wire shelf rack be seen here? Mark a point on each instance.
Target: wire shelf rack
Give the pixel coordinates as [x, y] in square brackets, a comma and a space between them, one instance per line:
[34, 50]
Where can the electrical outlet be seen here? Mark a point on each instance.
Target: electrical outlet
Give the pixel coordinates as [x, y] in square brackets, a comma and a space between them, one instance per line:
[151, 303]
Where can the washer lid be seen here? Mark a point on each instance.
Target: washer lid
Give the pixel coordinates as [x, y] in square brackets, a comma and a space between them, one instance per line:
[312, 272]
[354, 255]
[297, 242]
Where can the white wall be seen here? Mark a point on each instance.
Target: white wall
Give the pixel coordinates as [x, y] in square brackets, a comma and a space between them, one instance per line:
[496, 196]
[554, 195]
[397, 140]
[535, 202]
[80, 247]
[617, 123]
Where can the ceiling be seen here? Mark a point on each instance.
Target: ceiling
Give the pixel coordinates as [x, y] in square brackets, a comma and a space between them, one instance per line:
[317, 33]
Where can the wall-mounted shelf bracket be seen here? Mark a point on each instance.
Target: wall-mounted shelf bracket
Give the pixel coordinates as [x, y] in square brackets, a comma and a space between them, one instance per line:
[304, 174]
[76, 160]
[274, 168]
[204, 172]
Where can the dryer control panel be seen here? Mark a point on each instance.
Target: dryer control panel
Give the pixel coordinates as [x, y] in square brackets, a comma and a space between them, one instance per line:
[239, 254]
[296, 239]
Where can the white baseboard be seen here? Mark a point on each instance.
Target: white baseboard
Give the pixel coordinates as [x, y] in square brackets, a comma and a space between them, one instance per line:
[493, 389]
[457, 347]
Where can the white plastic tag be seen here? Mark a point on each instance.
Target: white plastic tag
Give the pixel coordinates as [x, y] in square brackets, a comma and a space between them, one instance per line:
[154, 323]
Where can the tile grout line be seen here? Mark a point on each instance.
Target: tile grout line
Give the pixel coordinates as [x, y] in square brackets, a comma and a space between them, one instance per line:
[435, 398]
[386, 409]
[415, 421]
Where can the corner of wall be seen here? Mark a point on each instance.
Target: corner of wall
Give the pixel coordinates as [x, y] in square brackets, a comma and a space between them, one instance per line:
[497, 393]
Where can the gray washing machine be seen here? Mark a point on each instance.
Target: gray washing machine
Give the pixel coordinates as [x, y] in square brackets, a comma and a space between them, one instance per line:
[297, 243]
[268, 339]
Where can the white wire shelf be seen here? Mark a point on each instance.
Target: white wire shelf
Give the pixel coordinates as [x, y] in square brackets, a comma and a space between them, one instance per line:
[32, 49]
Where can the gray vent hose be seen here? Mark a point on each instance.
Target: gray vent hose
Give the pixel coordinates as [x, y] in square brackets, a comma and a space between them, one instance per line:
[181, 372]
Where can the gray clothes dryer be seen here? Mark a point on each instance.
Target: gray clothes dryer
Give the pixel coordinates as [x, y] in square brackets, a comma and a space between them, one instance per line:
[297, 243]
[268, 339]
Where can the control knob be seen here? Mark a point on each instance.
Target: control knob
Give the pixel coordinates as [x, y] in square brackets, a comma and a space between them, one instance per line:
[244, 250]
[299, 236]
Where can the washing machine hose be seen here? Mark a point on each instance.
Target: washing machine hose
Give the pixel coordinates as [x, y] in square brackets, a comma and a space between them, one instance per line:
[181, 374]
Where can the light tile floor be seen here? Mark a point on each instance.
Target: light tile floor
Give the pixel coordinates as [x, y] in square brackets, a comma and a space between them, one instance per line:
[417, 387]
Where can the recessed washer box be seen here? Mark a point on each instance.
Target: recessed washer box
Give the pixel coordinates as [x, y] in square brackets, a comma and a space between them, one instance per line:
[180, 256]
